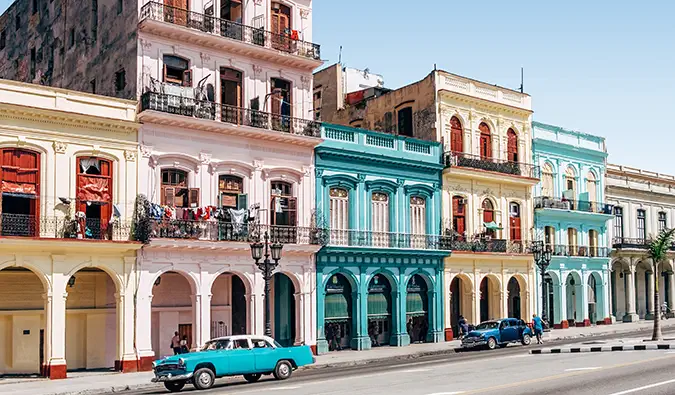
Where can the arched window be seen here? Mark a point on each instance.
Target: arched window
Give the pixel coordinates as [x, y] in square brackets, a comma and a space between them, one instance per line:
[571, 182]
[593, 242]
[175, 191]
[512, 146]
[339, 216]
[547, 180]
[514, 220]
[485, 141]
[380, 218]
[20, 173]
[456, 135]
[592, 187]
[418, 215]
[231, 192]
[572, 241]
[549, 236]
[459, 216]
[489, 217]
[94, 194]
[283, 206]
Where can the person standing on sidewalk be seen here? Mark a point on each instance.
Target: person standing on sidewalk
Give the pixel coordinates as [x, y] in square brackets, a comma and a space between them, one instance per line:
[538, 326]
[175, 344]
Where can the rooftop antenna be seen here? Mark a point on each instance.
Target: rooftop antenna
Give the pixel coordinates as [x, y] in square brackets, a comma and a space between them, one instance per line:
[521, 80]
[340, 57]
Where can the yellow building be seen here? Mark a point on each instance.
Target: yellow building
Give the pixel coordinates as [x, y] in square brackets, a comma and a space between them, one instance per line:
[68, 184]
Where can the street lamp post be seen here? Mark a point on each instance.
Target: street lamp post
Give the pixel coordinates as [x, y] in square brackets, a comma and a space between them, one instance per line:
[267, 267]
[542, 258]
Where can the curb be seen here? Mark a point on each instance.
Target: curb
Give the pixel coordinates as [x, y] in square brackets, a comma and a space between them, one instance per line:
[635, 347]
[361, 362]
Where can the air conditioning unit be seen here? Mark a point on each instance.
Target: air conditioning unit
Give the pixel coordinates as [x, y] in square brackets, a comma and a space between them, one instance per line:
[461, 201]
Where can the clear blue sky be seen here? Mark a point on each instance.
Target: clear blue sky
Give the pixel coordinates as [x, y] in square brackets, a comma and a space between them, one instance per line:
[603, 67]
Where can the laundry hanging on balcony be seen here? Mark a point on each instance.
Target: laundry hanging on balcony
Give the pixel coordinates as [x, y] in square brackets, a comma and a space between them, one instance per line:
[492, 225]
[18, 189]
[238, 217]
[93, 189]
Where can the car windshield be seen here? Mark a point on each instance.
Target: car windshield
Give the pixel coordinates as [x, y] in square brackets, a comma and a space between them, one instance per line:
[221, 344]
[488, 325]
[277, 345]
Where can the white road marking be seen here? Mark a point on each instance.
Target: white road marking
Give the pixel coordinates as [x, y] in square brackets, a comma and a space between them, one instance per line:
[414, 370]
[580, 369]
[282, 388]
[670, 352]
[447, 393]
[644, 388]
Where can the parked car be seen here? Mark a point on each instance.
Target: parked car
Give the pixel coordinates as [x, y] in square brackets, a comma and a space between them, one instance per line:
[250, 356]
[498, 333]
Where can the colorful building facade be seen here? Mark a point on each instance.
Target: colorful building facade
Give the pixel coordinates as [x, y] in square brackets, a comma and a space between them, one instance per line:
[571, 219]
[379, 276]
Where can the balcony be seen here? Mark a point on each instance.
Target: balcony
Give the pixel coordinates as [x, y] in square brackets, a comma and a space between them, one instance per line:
[491, 246]
[580, 251]
[517, 169]
[233, 232]
[254, 123]
[217, 33]
[359, 238]
[573, 205]
[633, 244]
[19, 225]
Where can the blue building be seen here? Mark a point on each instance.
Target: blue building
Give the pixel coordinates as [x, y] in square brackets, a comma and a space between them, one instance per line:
[380, 275]
[572, 221]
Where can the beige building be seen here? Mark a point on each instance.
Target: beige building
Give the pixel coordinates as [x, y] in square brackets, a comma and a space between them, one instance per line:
[69, 181]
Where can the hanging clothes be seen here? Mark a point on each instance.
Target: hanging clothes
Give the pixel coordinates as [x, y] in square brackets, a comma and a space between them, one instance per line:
[238, 217]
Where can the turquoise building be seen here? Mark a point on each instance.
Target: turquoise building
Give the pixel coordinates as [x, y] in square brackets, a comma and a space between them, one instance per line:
[380, 274]
[572, 221]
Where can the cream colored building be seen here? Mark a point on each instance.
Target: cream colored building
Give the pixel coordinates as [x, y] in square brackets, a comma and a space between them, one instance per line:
[487, 200]
[68, 182]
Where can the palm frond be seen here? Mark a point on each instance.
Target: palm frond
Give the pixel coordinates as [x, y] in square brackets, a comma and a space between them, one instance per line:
[658, 247]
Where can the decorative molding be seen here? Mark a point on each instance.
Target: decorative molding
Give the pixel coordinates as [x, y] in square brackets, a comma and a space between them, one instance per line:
[257, 70]
[130, 156]
[146, 44]
[455, 188]
[361, 177]
[205, 158]
[305, 82]
[318, 172]
[95, 149]
[258, 165]
[304, 13]
[257, 2]
[146, 151]
[400, 182]
[205, 57]
[307, 171]
[60, 147]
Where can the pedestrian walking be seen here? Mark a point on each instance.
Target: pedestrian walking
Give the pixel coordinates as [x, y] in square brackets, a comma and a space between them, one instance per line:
[463, 327]
[175, 344]
[184, 347]
[538, 326]
[664, 310]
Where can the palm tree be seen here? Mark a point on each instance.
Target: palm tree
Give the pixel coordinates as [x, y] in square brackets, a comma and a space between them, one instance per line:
[657, 251]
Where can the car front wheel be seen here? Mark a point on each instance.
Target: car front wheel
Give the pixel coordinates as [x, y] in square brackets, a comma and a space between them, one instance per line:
[283, 370]
[203, 379]
[252, 378]
[174, 386]
[526, 340]
[492, 343]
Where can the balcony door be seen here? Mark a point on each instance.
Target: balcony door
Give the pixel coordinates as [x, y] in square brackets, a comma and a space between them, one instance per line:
[176, 11]
[94, 196]
[20, 174]
[456, 135]
[489, 218]
[514, 219]
[512, 146]
[231, 95]
[283, 212]
[281, 26]
[280, 104]
[459, 216]
[231, 17]
[485, 141]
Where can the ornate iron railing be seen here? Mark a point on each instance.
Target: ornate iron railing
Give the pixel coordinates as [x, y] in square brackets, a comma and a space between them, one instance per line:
[491, 245]
[361, 238]
[542, 202]
[20, 225]
[580, 251]
[230, 30]
[229, 231]
[461, 159]
[633, 243]
[190, 107]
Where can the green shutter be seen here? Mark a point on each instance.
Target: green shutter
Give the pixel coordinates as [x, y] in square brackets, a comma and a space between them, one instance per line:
[242, 201]
[415, 304]
[378, 304]
[337, 307]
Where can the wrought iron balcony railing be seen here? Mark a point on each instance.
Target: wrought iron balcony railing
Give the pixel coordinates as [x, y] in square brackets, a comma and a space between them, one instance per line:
[633, 243]
[231, 30]
[461, 159]
[580, 251]
[491, 245]
[360, 238]
[228, 231]
[543, 202]
[190, 107]
[20, 225]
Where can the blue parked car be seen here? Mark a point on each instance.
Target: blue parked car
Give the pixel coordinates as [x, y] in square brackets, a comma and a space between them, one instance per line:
[250, 356]
[498, 333]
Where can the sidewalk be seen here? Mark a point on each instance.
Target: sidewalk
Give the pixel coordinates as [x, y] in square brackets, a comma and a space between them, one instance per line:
[97, 382]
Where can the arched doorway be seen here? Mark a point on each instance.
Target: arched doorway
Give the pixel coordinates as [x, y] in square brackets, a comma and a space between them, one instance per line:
[514, 302]
[417, 309]
[460, 302]
[573, 287]
[228, 306]
[91, 321]
[172, 311]
[379, 310]
[489, 299]
[283, 292]
[485, 141]
[338, 312]
[644, 287]
[551, 299]
[592, 298]
[22, 322]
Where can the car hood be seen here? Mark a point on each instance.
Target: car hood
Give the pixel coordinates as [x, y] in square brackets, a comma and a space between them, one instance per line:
[478, 332]
[174, 358]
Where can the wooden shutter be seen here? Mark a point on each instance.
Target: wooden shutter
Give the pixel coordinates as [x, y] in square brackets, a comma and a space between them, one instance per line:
[292, 211]
[169, 196]
[456, 135]
[485, 141]
[187, 77]
[515, 228]
[193, 197]
[512, 146]
[242, 201]
[488, 216]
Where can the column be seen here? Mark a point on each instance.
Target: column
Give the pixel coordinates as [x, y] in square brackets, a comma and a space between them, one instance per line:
[609, 274]
[560, 289]
[476, 299]
[400, 335]
[446, 305]
[55, 334]
[361, 340]
[196, 321]
[126, 361]
[205, 308]
[670, 297]
[581, 291]
[299, 319]
[321, 343]
[144, 329]
[649, 283]
[629, 287]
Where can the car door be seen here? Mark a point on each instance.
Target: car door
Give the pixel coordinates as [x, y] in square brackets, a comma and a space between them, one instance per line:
[241, 358]
[508, 332]
[266, 355]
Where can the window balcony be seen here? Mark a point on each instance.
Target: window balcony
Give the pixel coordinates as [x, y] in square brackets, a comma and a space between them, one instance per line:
[190, 108]
[620, 243]
[573, 205]
[218, 33]
[491, 245]
[20, 225]
[360, 238]
[233, 232]
[580, 251]
[518, 169]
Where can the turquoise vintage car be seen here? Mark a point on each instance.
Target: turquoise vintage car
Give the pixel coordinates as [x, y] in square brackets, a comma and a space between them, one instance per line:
[250, 356]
